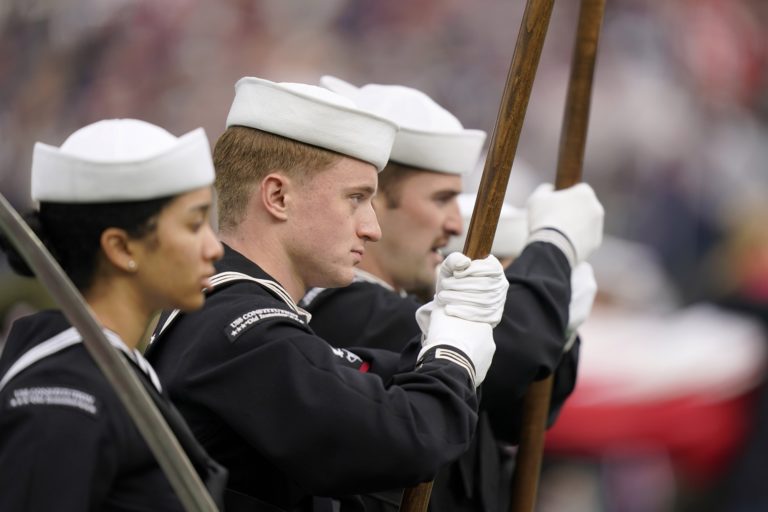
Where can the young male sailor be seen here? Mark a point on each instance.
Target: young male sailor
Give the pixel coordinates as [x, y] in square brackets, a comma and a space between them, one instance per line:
[295, 420]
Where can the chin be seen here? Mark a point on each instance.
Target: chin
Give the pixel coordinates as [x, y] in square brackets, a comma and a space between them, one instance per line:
[425, 283]
[428, 277]
[192, 302]
[338, 283]
[336, 279]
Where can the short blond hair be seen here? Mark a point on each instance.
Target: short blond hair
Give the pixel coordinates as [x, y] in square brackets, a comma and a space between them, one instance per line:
[244, 156]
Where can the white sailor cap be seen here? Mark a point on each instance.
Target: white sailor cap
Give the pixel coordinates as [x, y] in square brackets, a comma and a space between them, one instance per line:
[312, 115]
[430, 137]
[511, 231]
[121, 160]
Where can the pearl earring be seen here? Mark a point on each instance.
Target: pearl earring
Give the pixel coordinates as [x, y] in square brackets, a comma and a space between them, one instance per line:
[131, 265]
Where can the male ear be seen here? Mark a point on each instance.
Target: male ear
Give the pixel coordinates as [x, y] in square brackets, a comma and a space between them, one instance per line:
[117, 249]
[275, 189]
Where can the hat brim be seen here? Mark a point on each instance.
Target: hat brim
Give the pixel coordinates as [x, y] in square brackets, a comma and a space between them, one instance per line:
[279, 109]
[450, 152]
[58, 176]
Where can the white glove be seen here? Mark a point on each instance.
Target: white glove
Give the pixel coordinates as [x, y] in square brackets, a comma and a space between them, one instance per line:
[468, 303]
[571, 218]
[583, 292]
[472, 289]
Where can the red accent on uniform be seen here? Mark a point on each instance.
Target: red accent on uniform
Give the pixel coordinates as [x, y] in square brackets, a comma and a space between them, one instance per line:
[364, 367]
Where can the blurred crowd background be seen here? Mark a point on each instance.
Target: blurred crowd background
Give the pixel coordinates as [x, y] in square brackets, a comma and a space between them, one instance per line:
[677, 151]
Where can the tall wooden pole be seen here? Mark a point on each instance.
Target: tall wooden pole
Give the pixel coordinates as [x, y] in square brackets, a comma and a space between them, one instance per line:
[498, 164]
[509, 124]
[569, 168]
[573, 138]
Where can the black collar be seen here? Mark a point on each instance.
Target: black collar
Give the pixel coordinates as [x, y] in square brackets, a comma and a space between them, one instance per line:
[233, 261]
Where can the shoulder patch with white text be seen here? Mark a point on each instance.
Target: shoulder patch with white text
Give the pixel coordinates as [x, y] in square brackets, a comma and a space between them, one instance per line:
[242, 323]
[53, 395]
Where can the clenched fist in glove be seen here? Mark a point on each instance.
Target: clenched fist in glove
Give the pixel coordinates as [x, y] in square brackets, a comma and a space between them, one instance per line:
[570, 218]
[468, 304]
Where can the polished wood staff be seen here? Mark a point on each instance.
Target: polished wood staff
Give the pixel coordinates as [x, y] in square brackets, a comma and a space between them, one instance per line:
[498, 164]
[151, 424]
[569, 166]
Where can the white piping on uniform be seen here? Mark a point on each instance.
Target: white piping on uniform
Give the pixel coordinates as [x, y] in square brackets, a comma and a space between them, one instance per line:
[361, 276]
[70, 337]
[230, 276]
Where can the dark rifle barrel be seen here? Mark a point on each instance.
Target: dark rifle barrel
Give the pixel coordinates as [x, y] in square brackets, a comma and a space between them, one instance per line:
[498, 164]
[153, 427]
[569, 168]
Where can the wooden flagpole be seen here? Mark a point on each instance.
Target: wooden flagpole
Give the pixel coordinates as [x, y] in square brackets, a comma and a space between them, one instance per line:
[569, 168]
[498, 164]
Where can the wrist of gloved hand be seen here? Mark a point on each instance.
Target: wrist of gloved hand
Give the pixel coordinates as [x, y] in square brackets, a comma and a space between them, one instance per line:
[556, 238]
[583, 293]
[466, 343]
[570, 340]
[574, 212]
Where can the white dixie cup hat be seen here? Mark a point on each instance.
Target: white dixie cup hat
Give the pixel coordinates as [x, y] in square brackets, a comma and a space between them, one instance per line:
[121, 160]
[312, 115]
[511, 231]
[430, 137]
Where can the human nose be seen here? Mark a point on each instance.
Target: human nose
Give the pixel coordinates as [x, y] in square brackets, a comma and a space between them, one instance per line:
[212, 248]
[453, 224]
[369, 228]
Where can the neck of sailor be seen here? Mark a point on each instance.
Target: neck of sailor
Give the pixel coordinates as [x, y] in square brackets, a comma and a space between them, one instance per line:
[262, 245]
[373, 264]
[118, 305]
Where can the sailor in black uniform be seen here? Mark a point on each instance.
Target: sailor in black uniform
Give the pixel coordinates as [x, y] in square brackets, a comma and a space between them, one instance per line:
[298, 423]
[124, 207]
[418, 211]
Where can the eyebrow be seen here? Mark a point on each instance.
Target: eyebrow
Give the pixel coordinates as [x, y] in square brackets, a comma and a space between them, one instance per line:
[202, 208]
[362, 188]
[445, 193]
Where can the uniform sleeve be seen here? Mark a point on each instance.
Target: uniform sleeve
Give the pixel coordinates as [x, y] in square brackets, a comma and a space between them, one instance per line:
[386, 363]
[332, 428]
[564, 380]
[54, 453]
[530, 338]
[372, 317]
[378, 325]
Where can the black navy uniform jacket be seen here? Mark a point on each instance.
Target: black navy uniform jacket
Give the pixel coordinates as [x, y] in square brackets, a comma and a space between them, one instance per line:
[293, 418]
[529, 345]
[66, 441]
